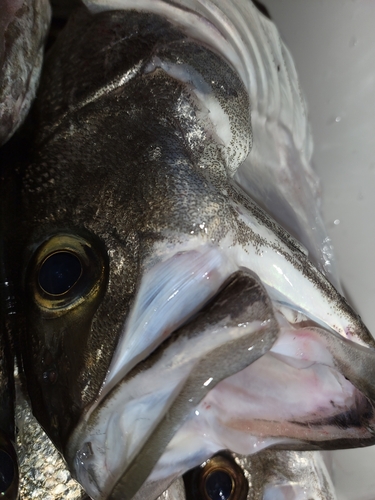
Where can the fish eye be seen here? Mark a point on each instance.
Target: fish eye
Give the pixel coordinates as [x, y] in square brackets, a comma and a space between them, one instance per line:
[218, 485]
[8, 470]
[59, 272]
[64, 271]
[220, 478]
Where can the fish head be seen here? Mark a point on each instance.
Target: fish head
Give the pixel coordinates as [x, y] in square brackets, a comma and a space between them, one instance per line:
[162, 306]
[132, 230]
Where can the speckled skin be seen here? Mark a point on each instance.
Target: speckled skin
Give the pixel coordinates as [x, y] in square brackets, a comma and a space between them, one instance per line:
[23, 29]
[304, 470]
[43, 472]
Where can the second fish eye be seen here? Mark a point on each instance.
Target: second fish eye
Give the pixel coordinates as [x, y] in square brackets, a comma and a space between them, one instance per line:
[220, 478]
[218, 485]
[8, 469]
[59, 272]
[6, 472]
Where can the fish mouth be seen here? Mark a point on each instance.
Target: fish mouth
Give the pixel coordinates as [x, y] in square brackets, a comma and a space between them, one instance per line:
[321, 400]
[223, 379]
[144, 410]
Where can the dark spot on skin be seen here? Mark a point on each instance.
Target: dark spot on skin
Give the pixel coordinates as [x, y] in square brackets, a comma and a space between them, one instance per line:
[50, 376]
[355, 417]
[262, 9]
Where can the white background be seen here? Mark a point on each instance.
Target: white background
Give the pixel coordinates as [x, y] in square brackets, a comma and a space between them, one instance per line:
[333, 45]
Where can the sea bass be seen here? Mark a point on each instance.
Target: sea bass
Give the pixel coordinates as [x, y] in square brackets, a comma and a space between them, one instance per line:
[168, 313]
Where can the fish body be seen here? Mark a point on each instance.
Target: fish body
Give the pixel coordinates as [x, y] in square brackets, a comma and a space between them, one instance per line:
[167, 315]
[23, 29]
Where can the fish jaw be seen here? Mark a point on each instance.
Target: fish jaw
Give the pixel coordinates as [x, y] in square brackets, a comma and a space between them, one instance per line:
[240, 320]
[170, 292]
[304, 376]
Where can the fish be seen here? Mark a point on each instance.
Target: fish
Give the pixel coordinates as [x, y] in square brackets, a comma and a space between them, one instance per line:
[23, 29]
[171, 308]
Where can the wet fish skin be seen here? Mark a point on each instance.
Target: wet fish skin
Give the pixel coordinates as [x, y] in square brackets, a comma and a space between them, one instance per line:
[43, 472]
[288, 474]
[54, 140]
[23, 29]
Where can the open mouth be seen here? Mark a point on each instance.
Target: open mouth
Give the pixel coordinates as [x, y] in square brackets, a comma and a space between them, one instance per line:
[137, 419]
[293, 397]
[235, 375]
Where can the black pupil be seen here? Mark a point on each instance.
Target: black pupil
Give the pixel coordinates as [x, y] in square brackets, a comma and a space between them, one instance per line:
[6, 471]
[59, 273]
[218, 485]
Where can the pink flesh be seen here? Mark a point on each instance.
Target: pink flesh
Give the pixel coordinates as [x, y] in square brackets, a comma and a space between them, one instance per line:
[279, 394]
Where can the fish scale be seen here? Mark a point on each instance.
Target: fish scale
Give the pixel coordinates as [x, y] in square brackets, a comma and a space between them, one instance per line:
[43, 472]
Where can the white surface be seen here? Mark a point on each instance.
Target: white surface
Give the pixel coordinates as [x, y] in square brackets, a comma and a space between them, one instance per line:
[333, 45]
